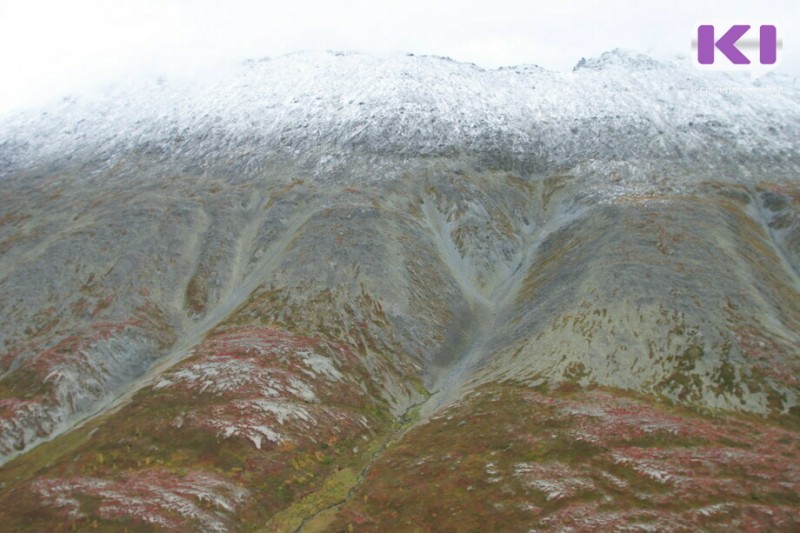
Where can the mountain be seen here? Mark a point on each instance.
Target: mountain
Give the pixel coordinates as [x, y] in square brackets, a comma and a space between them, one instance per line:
[339, 292]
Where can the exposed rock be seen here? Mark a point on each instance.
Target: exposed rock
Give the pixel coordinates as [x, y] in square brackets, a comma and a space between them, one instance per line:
[338, 291]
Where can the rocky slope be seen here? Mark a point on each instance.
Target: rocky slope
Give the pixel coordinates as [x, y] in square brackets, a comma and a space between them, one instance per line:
[310, 294]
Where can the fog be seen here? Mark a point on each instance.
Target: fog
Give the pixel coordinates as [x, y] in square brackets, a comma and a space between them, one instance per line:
[53, 47]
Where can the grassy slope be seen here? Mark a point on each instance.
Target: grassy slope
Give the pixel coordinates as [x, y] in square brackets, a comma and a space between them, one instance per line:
[511, 458]
[287, 413]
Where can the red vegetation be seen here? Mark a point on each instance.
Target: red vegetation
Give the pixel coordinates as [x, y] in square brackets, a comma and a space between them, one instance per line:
[508, 457]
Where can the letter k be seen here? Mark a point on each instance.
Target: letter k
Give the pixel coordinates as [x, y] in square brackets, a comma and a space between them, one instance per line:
[726, 44]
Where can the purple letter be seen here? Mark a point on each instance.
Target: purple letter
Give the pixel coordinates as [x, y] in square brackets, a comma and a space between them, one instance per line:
[726, 44]
[768, 44]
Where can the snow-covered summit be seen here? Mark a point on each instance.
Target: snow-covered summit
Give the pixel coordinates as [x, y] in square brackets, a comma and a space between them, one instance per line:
[656, 116]
[624, 59]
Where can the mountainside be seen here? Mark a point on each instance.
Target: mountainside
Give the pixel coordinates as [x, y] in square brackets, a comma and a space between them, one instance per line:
[338, 292]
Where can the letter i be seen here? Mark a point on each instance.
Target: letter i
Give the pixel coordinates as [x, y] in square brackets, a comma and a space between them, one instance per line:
[768, 45]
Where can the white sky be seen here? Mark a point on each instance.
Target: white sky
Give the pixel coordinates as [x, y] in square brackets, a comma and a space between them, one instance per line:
[52, 47]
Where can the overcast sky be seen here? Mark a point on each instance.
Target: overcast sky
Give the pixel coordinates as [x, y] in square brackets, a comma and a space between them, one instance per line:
[52, 47]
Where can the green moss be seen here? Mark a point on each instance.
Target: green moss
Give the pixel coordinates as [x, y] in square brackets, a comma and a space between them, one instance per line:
[575, 371]
[196, 294]
[726, 381]
[335, 489]
[411, 416]
[420, 388]
[690, 357]
[759, 381]
[683, 383]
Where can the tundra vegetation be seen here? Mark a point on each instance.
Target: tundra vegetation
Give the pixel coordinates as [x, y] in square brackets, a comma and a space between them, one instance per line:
[355, 297]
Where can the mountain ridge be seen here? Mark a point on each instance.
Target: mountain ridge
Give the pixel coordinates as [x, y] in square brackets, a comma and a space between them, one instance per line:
[248, 303]
[294, 104]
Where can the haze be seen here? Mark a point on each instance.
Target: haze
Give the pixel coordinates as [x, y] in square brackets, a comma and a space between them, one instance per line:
[50, 48]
